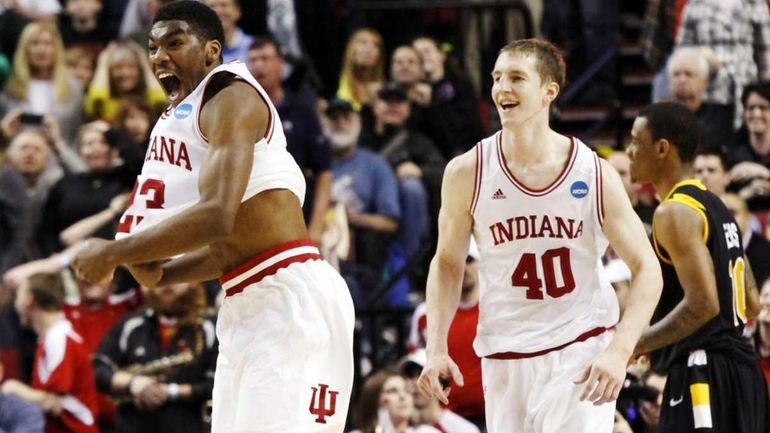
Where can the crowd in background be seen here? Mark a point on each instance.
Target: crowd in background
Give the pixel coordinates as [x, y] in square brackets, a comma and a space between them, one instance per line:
[372, 114]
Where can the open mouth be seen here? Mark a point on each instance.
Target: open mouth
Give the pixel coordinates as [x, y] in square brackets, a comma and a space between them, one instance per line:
[506, 106]
[171, 85]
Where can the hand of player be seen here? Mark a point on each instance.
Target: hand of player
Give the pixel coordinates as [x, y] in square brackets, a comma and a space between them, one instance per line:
[603, 377]
[147, 274]
[436, 368]
[92, 264]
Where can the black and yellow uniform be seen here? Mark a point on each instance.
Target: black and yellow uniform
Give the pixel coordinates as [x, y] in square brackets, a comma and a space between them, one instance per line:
[715, 383]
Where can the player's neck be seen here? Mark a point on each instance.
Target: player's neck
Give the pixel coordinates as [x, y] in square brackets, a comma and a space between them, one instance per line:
[530, 141]
[672, 174]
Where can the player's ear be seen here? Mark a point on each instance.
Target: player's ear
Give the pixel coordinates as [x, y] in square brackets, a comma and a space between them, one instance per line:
[551, 91]
[662, 148]
[213, 51]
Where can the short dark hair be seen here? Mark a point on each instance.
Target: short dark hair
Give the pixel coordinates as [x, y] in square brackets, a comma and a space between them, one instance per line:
[263, 41]
[676, 124]
[761, 88]
[550, 63]
[715, 153]
[203, 20]
[47, 291]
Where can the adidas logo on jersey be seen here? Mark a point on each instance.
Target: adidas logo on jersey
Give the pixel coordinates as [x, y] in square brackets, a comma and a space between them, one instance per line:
[498, 195]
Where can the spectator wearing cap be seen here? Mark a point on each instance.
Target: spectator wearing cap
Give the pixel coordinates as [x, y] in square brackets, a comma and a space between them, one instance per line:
[417, 162]
[365, 184]
[75, 197]
[429, 409]
[466, 401]
[304, 139]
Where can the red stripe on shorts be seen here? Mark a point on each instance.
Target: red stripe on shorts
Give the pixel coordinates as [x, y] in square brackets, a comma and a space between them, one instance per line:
[517, 355]
[305, 250]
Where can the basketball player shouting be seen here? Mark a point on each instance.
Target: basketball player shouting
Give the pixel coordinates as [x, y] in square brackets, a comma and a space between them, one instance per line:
[220, 197]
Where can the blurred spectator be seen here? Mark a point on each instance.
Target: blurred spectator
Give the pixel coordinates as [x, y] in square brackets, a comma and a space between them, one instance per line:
[81, 64]
[386, 405]
[756, 247]
[122, 70]
[416, 161]
[137, 17]
[29, 155]
[304, 138]
[650, 410]
[159, 363]
[688, 76]
[452, 116]
[17, 415]
[15, 230]
[362, 68]
[364, 182]
[406, 70]
[135, 119]
[41, 83]
[32, 10]
[466, 401]
[709, 168]
[751, 155]
[429, 409]
[78, 196]
[661, 22]
[63, 379]
[737, 36]
[762, 338]
[83, 25]
[237, 42]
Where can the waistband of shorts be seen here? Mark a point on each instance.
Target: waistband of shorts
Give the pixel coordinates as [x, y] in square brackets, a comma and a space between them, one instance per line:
[267, 263]
[518, 355]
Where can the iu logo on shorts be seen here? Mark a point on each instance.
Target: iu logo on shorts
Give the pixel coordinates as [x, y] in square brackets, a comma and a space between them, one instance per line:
[318, 403]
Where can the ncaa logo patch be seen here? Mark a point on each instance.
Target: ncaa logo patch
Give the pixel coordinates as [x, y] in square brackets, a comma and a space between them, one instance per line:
[183, 111]
[579, 189]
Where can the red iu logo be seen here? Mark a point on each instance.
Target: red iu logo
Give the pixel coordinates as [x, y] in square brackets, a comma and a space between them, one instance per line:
[318, 403]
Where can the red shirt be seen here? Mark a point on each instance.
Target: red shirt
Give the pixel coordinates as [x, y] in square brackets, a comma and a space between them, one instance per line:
[467, 401]
[63, 367]
[93, 321]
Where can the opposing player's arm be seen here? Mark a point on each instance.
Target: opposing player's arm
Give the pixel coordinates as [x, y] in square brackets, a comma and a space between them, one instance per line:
[628, 238]
[233, 124]
[679, 230]
[752, 291]
[446, 271]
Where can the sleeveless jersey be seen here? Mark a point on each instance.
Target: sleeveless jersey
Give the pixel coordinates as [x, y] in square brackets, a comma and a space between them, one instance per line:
[724, 332]
[540, 275]
[168, 183]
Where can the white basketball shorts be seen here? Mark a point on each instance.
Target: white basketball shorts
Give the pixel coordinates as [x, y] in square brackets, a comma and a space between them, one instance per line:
[537, 394]
[285, 333]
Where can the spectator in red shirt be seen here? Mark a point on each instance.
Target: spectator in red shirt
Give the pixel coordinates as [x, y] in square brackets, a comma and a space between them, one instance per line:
[466, 401]
[62, 377]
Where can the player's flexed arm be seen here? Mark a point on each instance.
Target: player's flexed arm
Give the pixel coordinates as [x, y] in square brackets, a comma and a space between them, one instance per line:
[446, 272]
[604, 376]
[224, 176]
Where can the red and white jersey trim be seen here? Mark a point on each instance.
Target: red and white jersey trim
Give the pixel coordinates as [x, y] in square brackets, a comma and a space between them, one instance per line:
[268, 263]
[537, 192]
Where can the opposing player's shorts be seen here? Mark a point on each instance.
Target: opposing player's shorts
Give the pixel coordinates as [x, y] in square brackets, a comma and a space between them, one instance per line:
[285, 333]
[537, 394]
[715, 394]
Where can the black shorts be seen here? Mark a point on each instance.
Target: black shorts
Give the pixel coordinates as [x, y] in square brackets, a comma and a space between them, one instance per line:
[712, 393]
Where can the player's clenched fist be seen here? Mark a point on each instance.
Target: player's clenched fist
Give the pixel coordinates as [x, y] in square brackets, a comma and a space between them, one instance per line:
[92, 262]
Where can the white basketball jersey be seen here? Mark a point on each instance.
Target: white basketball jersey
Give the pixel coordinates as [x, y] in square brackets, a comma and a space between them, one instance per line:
[540, 278]
[168, 183]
